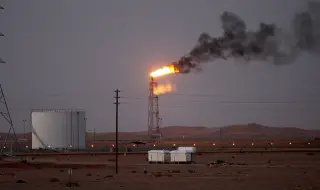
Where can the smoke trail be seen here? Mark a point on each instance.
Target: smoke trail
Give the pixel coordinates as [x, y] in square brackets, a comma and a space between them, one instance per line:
[306, 27]
[268, 42]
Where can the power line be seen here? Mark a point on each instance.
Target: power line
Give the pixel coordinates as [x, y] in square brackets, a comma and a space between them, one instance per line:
[193, 94]
[142, 97]
[204, 95]
[258, 102]
[301, 101]
[206, 98]
[179, 94]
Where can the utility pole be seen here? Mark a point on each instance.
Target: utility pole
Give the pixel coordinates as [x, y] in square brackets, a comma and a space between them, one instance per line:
[78, 131]
[24, 128]
[85, 124]
[94, 137]
[117, 115]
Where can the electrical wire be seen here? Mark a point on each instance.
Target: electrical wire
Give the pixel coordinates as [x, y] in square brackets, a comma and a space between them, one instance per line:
[217, 101]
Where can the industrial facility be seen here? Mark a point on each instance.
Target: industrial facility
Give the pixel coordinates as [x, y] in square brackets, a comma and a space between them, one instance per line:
[58, 129]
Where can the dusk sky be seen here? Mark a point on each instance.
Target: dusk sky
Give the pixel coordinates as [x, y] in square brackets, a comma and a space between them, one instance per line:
[74, 53]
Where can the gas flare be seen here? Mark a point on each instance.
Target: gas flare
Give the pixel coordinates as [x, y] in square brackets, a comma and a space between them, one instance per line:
[170, 69]
[163, 89]
[267, 42]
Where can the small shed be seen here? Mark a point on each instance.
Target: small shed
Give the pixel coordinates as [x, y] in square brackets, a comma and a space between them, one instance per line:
[181, 156]
[158, 156]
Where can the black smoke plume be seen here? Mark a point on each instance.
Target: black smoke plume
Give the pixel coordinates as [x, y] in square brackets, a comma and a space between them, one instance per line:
[267, 42]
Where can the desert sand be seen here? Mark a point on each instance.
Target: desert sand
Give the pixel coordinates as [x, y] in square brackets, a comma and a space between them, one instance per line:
[263, 171]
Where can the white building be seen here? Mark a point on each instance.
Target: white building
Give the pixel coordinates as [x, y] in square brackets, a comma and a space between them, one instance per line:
[58, 129]
[181, 156]
[159, 156]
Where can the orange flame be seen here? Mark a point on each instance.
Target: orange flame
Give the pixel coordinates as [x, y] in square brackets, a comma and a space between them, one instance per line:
[163, 89]
[170, 69]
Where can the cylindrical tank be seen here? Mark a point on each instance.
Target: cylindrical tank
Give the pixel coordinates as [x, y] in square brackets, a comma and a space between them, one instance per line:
[58, 129]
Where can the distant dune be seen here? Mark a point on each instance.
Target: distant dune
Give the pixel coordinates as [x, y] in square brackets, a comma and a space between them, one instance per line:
[257, 132]
[235, 132]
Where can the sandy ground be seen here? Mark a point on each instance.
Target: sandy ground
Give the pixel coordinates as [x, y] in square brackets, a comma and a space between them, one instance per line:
[268, 171]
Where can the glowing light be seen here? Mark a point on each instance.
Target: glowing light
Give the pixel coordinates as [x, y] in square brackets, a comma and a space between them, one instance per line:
[164, 71]
[92, 146]
[164, 89]
[194, 144]
[26, 146]
[233, 144]
[214, 144]
[134, 145]
[252, 144]
[290, 143]
[154, 145]
[309, 143]
[174, 144]
[113, 145]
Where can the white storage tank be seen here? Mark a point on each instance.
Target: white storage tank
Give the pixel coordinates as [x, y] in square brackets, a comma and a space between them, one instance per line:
[58, 129]
[188, 149]
[181, 156]
[159, 156]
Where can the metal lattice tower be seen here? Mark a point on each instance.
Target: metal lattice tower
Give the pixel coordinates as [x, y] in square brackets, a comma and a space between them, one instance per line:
[1, 34]
[153, 113]
[5, 113]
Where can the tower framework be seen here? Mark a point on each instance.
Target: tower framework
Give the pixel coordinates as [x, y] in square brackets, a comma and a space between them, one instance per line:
[5, 113]
[153, 113]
